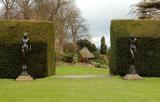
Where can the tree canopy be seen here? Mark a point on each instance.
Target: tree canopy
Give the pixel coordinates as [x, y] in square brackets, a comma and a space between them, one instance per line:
[147, 9]
[86, 43]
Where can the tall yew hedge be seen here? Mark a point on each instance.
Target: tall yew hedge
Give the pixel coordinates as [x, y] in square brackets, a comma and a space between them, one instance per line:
[148, 46]
[41, 60]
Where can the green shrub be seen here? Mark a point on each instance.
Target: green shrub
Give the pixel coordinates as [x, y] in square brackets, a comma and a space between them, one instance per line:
[86, 43]
[100, 61]
[98, 65]
[104, 66]
[96, 54]
[68, 58]
[93, 63]
[148, 57]
[41, 60]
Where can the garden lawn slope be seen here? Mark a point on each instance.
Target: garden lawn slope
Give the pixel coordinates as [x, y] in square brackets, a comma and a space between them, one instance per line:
[110, 89]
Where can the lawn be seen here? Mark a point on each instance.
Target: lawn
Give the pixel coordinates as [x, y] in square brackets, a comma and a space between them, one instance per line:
[109, 89]
[79, 70]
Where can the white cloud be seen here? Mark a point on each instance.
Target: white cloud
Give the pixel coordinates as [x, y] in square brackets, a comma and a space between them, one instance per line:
[1, 5]
[99, 14]
[97, 40]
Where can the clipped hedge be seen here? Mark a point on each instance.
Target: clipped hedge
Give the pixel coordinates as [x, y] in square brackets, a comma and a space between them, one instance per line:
[148, 46]
[41, 60]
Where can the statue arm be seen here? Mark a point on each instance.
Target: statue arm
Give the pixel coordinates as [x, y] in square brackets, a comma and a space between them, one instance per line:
[29, 44]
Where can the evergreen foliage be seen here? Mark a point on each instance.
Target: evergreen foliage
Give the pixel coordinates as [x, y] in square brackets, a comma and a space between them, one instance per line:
[86, 43]
[103, 49]
[41, 59]
[147, 59]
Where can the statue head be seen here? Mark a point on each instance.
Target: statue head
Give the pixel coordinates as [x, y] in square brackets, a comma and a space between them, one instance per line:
[131, 36]
[25, 35]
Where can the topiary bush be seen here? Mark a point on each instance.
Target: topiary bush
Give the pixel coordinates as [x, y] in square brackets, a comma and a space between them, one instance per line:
[148, 46]
[41, 59]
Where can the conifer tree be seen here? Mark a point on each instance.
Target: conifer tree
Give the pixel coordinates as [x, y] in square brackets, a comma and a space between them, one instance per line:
[103, 49]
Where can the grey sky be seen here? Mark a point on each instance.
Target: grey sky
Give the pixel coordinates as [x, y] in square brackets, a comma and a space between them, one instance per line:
[99, 14]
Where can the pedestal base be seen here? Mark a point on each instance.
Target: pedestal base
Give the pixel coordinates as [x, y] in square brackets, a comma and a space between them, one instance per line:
[24, 78]
[132, 77]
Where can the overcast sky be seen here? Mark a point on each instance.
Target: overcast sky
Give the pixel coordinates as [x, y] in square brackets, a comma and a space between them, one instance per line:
[99, 14]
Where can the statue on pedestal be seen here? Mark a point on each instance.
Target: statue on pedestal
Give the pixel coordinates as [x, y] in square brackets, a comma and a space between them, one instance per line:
[132, 75]
[25, 48]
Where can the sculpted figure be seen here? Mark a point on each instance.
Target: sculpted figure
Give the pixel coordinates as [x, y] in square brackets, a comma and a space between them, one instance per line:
[133, 46]
[133, 51]
[26, 47]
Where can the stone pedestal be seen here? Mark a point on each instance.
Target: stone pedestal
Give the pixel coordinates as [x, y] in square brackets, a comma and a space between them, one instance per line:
[24, 78]
[132, 77]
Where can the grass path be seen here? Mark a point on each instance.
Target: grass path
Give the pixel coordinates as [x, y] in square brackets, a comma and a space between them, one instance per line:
[80, 70]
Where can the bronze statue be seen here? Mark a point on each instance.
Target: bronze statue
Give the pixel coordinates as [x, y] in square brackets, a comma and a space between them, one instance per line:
[132, 75]
[133, 51]
[26, 47]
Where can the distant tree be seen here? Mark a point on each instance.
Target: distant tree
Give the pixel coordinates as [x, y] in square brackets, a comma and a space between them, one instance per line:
[48, 9]
[25, 8]
[86, 43]
[8, 6]
[77, 26]
[68, 48]
[103, 49]
[147, 9]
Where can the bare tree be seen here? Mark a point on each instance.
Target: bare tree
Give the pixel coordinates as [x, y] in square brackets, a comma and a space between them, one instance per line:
[70, 25]
[62, 27]
[8, 6]
[49, 8]
[77, 26]
[25, 8]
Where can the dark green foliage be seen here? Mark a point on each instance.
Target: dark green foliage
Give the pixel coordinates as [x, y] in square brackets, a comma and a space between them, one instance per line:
[96, 54]
[148, 46]
[103, 49]
[86, 43]
[38, 64]
[109, 55]
[147, 60]
[68, 58]
[41, 59]
[7, 54]
[11, 60]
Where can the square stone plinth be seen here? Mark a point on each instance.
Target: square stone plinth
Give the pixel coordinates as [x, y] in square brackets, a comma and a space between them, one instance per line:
[24, 78]
[132, 77]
